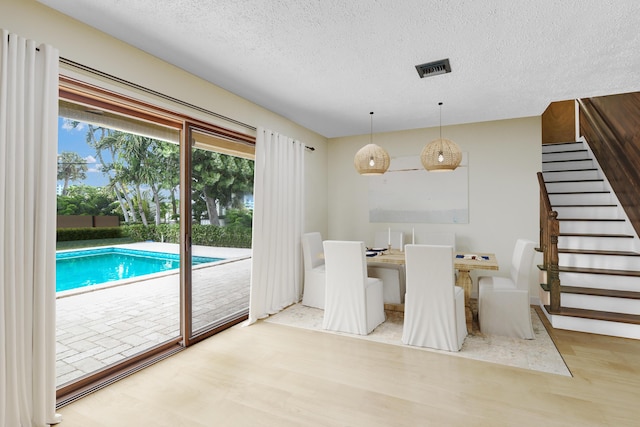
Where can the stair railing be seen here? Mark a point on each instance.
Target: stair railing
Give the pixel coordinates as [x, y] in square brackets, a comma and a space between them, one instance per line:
[549, 232]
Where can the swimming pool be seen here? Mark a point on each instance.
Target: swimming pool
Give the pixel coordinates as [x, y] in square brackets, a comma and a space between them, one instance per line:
[77, 269]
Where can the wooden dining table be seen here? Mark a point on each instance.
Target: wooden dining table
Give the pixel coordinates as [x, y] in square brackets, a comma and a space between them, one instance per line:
[462, 261]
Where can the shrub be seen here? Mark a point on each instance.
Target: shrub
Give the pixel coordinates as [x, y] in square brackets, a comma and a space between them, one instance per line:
[206, 235]
[88, 233]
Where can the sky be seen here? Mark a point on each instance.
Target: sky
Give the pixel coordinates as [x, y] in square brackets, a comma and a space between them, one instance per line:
[74, 140]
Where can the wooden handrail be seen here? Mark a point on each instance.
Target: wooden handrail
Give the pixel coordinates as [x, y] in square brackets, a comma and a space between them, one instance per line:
[549, 232]
[609, 126]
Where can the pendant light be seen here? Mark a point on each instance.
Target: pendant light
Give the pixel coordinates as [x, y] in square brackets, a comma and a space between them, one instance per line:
[441, 155]
[371, 159]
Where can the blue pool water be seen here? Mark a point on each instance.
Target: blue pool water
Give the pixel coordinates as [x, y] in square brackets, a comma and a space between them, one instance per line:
[76, 269]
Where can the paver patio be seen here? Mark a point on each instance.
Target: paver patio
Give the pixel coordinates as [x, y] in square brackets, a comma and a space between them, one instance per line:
[97, 328]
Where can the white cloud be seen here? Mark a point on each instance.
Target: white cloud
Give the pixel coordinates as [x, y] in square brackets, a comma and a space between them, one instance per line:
[67, 126]
[95, 169]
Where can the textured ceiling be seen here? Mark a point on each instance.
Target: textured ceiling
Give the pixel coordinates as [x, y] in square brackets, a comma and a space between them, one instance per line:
[326, 64]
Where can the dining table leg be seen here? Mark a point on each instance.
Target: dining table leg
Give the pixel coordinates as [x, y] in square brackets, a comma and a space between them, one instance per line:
[464, 281]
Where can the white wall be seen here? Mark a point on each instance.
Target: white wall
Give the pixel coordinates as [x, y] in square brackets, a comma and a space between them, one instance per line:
[504, 157]
[92, 48]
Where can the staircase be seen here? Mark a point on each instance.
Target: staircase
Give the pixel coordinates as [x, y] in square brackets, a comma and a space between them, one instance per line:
[598, 249]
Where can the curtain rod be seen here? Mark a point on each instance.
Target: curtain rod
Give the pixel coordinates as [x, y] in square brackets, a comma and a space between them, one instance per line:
[153, 92]
[159, 94]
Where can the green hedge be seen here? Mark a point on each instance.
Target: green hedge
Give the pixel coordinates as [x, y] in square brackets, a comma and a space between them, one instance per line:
[206, 235]
[89, 233]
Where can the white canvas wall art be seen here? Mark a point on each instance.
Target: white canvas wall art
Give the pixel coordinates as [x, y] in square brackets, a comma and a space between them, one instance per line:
[407, 193]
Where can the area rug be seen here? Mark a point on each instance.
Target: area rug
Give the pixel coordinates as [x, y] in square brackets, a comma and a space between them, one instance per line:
[539, 354]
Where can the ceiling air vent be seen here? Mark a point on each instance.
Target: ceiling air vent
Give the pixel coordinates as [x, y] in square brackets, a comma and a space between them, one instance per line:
[434, 68]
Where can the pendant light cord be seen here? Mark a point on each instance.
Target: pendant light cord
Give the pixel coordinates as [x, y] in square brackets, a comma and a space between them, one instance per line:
[371, 134]
[440, 104]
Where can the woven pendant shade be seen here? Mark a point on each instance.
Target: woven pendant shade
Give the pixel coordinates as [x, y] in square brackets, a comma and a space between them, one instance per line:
[441, 155]
[371, 160]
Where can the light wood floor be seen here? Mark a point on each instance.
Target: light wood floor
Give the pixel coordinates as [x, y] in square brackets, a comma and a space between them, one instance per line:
[274, 375]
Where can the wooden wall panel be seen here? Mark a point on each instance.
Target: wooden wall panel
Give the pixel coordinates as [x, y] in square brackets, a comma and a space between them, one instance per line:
[558, 122]
[611, 126]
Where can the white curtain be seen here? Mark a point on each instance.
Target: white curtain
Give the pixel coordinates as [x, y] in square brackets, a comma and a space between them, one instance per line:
[276, 270]
[28, 150]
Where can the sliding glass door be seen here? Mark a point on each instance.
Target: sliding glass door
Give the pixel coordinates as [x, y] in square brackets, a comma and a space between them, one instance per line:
[154, 235]
[118, 260]
[221, 219]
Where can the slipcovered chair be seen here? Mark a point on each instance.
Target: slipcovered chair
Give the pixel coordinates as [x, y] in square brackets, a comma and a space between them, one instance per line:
[503, 302]
[441, 238]
[392, 276]
[314, 272]
[434, 314]
[353, 300]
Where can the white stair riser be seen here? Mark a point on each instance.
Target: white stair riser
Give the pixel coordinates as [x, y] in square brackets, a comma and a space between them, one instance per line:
[591, 212]
[600, 281]
[549, 148]
[570, 165]
[568, 175]
[575, 186]
[594, 302]
[598, 243]
[581, 199]
[567, 155]
[610, 262]
[592, 326]
[594, 227]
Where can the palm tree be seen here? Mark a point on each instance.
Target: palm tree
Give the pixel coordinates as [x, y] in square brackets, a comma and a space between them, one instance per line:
[71, 167]
[109, 141]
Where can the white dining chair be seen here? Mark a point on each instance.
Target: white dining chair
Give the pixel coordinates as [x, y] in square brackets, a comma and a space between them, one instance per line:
[313, 294]
[392, 276]
[434, 313]
[353, 301]
[503, 302]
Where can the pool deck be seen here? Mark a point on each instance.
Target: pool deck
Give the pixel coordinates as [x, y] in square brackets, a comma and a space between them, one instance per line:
[100, 325]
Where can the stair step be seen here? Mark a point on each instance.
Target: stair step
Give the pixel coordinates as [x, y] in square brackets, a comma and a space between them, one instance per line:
[565, 155]
[579, 290]
[604, 271]
[596, 315]
[623, 236]
[566, 164]
[576, 185]
[580, 150]
[597, 252]
[593, 212]
[584, 159]
[600, 198]
[593, 219]
[600, 292]
[573, 180]
[569, 170]
[593, 225]
[585, 206]
[586, 173]
[567, 144]
[580, 192]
